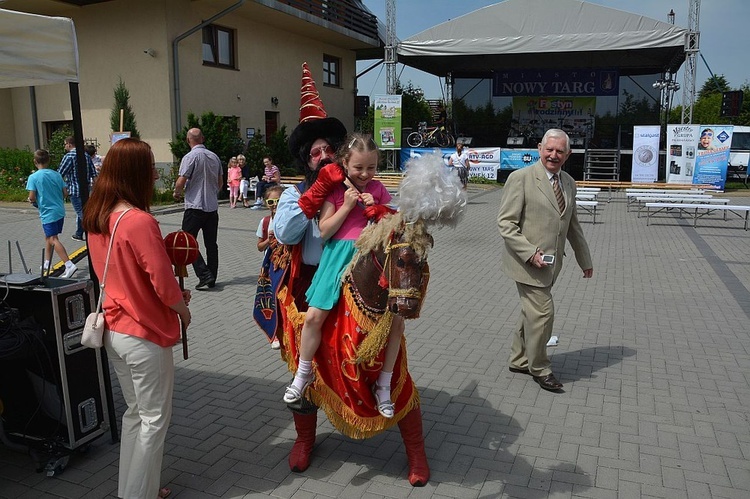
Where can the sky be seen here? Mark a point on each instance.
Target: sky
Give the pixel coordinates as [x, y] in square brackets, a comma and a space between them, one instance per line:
[723, 26]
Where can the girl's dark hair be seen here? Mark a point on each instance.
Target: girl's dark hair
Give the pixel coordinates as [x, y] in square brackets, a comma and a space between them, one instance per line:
[126, 175]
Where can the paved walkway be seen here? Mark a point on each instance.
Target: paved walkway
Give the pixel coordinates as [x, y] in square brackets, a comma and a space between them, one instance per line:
[654, 353]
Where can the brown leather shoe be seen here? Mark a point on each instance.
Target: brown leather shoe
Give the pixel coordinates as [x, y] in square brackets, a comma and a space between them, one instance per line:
[518, 370]
[548, 382]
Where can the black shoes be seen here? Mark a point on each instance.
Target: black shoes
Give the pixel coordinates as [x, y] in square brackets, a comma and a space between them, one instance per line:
[206, 284]
[548, 382]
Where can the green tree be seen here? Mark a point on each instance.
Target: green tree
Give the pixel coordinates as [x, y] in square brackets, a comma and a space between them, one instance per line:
[222, 136]
[279, 151]
[707, 107]
[414, 107]
[256, 150]
[56, 145]
[643, 111]
[122, 102]
[714, 86]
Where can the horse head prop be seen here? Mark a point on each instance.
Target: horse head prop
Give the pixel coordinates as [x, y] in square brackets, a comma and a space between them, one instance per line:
[390, 271]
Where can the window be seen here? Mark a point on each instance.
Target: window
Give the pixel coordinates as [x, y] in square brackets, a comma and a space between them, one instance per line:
[218, 46]
[331, 71]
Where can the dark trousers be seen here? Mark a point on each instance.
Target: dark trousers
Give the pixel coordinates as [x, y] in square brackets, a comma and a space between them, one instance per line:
[78, 207]
[260, 188]
[208, 222]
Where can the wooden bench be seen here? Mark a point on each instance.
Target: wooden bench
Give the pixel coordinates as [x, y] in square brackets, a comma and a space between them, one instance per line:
[697, 210]
[704, 199]
[589, 207]
[613, 186]
[586, 196]
[633, 195]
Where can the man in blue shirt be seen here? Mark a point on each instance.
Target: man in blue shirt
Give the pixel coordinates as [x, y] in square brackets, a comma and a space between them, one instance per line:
[69, 173]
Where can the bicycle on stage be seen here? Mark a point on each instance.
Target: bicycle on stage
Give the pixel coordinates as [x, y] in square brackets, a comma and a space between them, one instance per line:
[429, 136]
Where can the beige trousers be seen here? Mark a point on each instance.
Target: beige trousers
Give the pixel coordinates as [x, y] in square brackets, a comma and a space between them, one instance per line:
[529, 347]
[146, 374]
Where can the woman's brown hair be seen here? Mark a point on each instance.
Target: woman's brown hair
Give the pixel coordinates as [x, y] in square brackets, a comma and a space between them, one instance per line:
[126, 175]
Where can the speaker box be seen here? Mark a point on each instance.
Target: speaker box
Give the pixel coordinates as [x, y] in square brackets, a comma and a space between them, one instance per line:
[58, 389]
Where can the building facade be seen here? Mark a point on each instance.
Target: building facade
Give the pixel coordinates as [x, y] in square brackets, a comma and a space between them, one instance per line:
[233, 58]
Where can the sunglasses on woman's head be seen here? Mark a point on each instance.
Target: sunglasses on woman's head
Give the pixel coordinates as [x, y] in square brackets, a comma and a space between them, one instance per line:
[317, 152]
[272, 202]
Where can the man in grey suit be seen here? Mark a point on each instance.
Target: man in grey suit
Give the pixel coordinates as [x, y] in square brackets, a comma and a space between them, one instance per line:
[537, 214]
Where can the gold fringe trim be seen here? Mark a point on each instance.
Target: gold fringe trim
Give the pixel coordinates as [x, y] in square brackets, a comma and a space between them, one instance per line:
[376, 339]
[357, 427]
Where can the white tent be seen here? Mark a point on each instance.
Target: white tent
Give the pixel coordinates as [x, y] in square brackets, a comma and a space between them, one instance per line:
[36, 50]
[546, 33]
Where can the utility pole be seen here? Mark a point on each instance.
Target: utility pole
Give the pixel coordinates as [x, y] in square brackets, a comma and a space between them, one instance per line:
[692, 47]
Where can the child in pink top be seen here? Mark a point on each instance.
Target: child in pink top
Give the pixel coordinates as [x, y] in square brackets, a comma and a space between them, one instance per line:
[234, 175]
[341, 222]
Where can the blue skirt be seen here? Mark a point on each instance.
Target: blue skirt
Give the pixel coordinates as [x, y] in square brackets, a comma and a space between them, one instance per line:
[325, 289]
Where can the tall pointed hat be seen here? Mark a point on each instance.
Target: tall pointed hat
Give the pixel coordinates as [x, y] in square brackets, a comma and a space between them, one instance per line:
[314, 122]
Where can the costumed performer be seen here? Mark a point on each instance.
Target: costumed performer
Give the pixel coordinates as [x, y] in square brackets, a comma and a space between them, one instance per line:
[312, 144]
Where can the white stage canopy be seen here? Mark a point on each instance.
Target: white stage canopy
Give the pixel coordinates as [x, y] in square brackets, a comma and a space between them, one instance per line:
[546, 34]
[36, 50]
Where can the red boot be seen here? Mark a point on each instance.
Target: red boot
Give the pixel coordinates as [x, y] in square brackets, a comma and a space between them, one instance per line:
[299, 457]
[411, 432]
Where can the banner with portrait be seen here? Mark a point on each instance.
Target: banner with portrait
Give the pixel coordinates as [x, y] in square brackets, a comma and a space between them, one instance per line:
[645, 167]
[698, 154]
[387, 127]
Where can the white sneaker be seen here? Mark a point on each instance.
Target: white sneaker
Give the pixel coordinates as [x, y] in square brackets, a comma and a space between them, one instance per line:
[275, 345]
[553, 341]
[256, 207]
[69, 271]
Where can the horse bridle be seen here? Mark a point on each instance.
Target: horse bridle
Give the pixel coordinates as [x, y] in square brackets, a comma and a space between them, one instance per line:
[384, 280]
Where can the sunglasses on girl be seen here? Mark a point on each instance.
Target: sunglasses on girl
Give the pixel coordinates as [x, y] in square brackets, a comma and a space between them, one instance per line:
[272, 202]
[317, 152]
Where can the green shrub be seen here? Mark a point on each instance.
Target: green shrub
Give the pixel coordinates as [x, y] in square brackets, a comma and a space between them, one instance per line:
[56, 145]
[15, 167]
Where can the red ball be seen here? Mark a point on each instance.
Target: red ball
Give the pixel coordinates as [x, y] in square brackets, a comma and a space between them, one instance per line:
[182, 248]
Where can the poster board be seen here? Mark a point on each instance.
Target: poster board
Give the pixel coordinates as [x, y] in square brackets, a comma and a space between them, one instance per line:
[115, 136]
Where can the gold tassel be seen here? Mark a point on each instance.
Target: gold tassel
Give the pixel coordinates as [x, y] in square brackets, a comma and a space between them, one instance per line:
[376, 339]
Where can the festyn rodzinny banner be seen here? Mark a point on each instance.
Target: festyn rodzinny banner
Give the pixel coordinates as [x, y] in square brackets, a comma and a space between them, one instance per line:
[483, 161]
[645, 153]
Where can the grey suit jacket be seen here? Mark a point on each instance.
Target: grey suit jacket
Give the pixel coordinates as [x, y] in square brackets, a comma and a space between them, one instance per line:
[530, 218]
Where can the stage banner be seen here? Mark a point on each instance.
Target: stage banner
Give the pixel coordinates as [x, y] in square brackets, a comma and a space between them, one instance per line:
[559, 82]
[515, 159]
[483, 161]
[387, 121]
[645, 154]
[682, 141]
[533, 116]
[712, 155]
[698, 154]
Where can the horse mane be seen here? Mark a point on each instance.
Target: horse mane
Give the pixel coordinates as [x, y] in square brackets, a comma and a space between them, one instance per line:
[377, 236]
